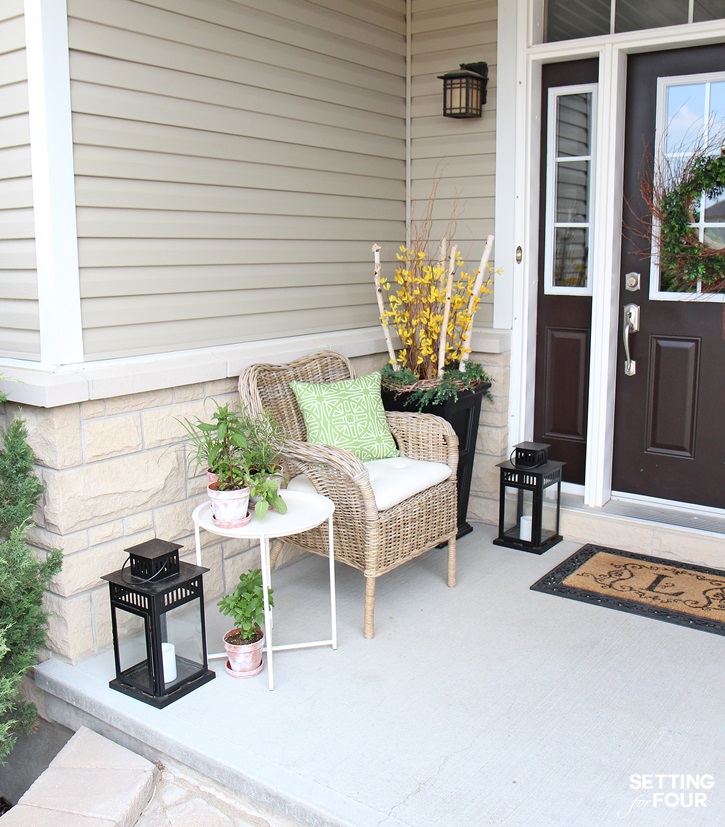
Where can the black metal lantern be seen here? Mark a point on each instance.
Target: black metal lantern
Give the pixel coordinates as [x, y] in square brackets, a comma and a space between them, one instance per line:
[159, 634]
[529, 499]
[464, 91]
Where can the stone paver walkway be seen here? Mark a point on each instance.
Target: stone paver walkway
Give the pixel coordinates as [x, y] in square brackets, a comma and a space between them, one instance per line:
[93, 782]
[185, 799]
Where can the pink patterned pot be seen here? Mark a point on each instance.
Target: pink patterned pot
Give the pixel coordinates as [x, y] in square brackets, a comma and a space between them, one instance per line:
[229, 508]
[245, 660]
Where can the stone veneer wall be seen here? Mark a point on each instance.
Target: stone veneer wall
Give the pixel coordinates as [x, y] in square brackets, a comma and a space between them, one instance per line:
[115, 474]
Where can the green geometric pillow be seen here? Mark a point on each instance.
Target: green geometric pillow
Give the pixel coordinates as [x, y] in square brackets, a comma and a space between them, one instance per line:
[347, 414]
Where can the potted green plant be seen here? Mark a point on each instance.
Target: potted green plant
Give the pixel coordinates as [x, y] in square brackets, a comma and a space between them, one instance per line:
[265, 441]
[223, 448]
[241, 455]
[244, 643]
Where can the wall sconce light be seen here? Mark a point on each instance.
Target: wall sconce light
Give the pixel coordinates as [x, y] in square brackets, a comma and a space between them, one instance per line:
[464, 91]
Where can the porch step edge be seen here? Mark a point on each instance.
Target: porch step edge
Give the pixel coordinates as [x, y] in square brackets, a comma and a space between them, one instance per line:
[645, 536]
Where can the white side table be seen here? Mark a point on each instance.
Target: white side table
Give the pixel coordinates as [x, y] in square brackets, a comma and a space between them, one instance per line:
[304, 512]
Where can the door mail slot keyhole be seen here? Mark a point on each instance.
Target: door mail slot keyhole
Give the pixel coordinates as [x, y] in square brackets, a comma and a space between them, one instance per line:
[630, 324]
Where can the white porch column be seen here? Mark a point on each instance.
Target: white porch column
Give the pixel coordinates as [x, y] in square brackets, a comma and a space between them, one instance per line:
[54, 204]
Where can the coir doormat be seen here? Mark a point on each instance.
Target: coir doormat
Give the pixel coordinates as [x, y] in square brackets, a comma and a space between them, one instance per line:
[675, 592]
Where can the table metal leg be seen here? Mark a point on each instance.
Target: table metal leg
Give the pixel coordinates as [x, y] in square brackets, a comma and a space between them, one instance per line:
[266, 578]
[333, 606]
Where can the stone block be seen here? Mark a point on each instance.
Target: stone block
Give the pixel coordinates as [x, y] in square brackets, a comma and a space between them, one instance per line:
[231, 546]
[93, 777]
[101, 618]
[138, 522]
[104, 491]
[483, 509]
[501, 376]
[494, 419]
[26, 815]
[227, 387]
[93, 409]
[111, 437]
[138, 401]
[47, 540]
[104, 533]
[54, 434]
[690, 547]
[486, 478]
[161, 426]
[588, 527]
[188, 393]
[174, 521]
[70, 631]
[493, 442]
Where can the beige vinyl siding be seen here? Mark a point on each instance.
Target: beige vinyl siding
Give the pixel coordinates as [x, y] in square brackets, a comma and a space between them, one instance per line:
[234, 163]
[458, 154]
[19, 325]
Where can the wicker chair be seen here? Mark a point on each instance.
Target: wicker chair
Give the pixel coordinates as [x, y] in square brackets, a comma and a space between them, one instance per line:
[367, 539]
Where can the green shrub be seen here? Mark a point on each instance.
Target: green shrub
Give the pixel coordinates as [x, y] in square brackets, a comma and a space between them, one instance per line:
[23, 579]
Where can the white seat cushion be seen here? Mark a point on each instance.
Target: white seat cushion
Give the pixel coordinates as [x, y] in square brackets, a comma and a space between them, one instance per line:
[392, 480]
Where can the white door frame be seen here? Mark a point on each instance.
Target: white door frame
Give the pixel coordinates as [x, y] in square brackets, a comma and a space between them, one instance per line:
[519, 96]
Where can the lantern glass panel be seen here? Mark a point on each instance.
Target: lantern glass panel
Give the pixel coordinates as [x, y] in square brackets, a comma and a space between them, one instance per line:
[518, 514]
[550, 513]
[183, 654]
[132, 653]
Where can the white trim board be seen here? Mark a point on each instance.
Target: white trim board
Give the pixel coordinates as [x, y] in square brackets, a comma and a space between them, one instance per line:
[52, 386]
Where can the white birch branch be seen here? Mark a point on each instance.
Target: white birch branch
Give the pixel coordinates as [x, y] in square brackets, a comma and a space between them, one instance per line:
[446, 311]
[381, 306]
[465, 335]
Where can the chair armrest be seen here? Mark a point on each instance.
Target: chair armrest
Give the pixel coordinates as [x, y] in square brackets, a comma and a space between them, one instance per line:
[335, 472]
[424, 436]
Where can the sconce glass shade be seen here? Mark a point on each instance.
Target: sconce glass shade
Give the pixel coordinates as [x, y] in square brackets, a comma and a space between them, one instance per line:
[464, 91]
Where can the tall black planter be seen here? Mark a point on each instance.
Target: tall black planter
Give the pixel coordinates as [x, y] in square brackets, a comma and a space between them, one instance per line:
[463, 414]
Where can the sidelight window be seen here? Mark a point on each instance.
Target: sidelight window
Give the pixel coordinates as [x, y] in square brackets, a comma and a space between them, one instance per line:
[569, 176]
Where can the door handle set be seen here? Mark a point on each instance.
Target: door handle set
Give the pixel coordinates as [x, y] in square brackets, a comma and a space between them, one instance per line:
[630, 324]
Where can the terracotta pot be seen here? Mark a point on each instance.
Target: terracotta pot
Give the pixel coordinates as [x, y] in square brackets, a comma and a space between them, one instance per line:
[245, 660]
[229, 508]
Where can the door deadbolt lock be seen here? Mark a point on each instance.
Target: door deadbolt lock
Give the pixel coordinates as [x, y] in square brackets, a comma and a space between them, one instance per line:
[632, 282]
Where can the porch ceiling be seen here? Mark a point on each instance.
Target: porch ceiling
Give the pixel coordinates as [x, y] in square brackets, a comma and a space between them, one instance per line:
[483, 704]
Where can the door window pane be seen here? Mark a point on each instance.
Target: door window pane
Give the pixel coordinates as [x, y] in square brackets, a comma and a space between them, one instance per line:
[685, 116]
[632, 15]
[571, 257]
[573, 129]
[572, 192]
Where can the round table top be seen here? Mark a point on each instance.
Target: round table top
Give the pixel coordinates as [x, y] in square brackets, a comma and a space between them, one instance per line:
[304, 511]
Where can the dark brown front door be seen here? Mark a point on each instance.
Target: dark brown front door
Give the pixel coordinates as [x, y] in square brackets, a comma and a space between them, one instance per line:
[669, 433]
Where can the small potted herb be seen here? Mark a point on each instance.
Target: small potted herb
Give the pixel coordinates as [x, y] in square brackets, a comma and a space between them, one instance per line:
[244, 643]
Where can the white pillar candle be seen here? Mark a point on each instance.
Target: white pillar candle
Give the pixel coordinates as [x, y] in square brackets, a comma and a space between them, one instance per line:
[525, 528]
[168, 657]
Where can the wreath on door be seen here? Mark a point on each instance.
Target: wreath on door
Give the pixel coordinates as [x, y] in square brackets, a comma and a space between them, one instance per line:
[684, 258]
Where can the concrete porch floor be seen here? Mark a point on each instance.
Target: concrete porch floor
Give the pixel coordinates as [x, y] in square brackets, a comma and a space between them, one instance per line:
[487, 704]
